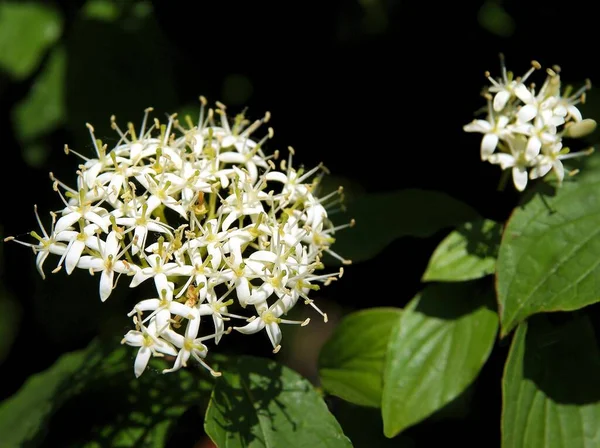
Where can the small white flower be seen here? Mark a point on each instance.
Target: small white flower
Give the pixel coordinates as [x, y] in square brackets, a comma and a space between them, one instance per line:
[147, 339]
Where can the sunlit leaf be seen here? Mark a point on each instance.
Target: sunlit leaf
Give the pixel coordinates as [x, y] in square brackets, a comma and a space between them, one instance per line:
[259, 403]
[99, 381]
[467, 253]
[436, 350]
[351, 362]
[548, 259]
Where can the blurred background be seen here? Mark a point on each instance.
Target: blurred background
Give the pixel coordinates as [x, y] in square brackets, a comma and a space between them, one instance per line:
[378, 90]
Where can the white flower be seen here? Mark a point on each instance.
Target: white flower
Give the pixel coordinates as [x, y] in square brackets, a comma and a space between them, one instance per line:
[524, 129]
[268, 318]
[520, 159]
[507, 87]
[492, 130]
[147, 339]
[207, 215]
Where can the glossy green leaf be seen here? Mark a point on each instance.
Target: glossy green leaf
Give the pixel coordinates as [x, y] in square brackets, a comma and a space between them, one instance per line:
[548, 259]
[43, 109]
[139, 411]
[551, 392]
[467, 253]
[436, 351]
[381, 218]
[351, 362]
[259, 403]
[27, 30]
[135, 411]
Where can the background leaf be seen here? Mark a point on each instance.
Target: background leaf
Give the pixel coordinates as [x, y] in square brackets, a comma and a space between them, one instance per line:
[548, 258]
[550, 387]
[44, 107]
[27, 30]
[436, 350]
[467, 253]
[383, 217]
[99, 381]
[351, 362]
[259, 403]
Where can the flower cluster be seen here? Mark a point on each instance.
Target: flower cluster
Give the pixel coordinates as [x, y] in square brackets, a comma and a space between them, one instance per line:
[206, 216]
[524, 129]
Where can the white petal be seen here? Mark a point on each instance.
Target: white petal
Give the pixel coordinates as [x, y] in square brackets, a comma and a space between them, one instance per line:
[519, 178]
[540, 170]
[181, 310]
[274, 333]
[242, 290]
[533, 147]
[527, 113]
[500, 100]
[278, 176]
[253, 327]
[264, 255]
[219, 326]
[106, 284]
[523, 93]
[574, 112]
[232, 157]
[165, 347]
[112, 244]
[141, 360]
[72, 257]
[146, 305]
[193, 326]
[134, 338]
[230, 219]
[475, 126]
[504, 160]
[488, 145]
[66, 221]
[559, 170]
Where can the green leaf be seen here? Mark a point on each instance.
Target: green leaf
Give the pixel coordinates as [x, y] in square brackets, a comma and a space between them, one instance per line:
[259, 403]
[436, 350]
[44, 107]
[548, 259]
[23, 416]
[27, 30]
[351, 362]
[136, 410]
[467, 253]
[381, 218]
[551, 392]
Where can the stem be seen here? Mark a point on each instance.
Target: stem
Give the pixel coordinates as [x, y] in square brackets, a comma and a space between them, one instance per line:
[503, 180]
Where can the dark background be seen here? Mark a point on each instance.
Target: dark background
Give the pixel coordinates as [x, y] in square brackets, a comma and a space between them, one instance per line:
[377, 90]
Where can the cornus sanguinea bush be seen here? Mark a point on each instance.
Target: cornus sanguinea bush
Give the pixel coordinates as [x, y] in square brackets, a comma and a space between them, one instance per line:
[524, 127]
[201, 211]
